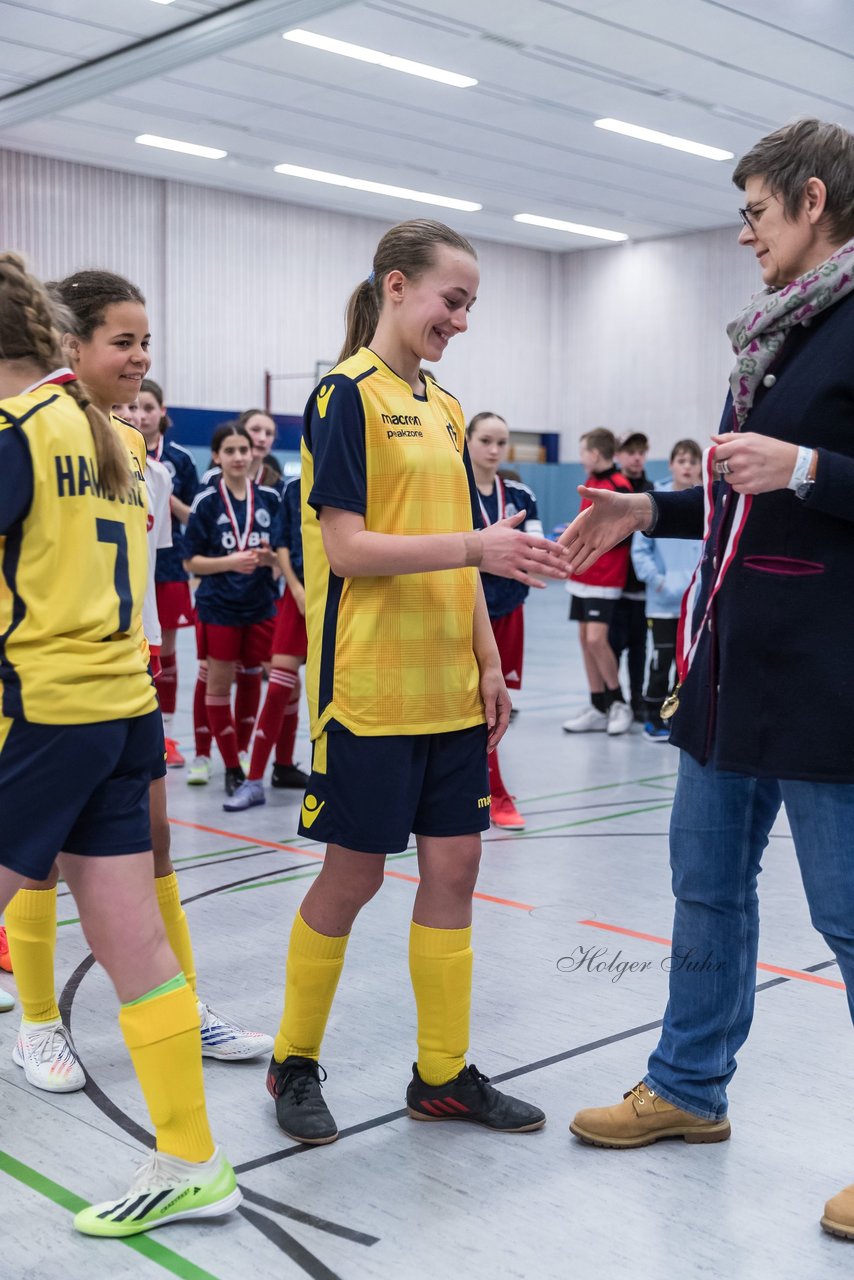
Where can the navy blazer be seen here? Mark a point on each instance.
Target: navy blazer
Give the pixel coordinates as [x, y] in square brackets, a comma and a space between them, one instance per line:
[771, 690]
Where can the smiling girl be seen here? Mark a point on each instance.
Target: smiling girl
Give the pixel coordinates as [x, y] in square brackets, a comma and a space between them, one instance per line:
[403, 679]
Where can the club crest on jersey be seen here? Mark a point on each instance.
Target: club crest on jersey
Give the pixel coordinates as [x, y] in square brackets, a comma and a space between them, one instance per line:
[262, 517]
[449, 426]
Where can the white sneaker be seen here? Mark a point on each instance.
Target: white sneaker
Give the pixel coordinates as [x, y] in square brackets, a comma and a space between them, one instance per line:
[165, 1189]
[224, 1039]
[7, 1002]
[199, 772]
[46, 1052]
[587, 721]
[620, 718]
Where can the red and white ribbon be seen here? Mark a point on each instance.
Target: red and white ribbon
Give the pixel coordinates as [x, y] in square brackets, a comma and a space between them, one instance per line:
[58, 378]
[502, 503]
[688, 636]
[242, 539]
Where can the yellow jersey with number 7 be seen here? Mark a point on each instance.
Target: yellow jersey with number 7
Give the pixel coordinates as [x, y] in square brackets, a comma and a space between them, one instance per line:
[73, 565]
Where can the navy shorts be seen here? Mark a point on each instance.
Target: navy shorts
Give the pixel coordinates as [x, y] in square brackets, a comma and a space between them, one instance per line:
[75, 789]
[371, 794]
[591, 609]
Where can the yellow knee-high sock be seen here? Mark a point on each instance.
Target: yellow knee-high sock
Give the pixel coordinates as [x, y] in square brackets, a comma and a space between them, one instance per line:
[440, 965]
[177, 928]
[313, 968]
[31, 931]
[161, 1031]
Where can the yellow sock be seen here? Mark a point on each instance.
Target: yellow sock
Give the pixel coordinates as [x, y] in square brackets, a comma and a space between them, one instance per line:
[440, 965]
[161, 1031]
[31, 931]
[177, 928]
[313, 968]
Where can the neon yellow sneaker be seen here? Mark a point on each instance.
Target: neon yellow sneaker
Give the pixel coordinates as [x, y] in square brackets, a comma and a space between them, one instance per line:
[165, 1189]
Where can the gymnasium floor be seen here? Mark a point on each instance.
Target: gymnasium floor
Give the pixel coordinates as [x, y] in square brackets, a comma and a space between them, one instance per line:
[409, 1201]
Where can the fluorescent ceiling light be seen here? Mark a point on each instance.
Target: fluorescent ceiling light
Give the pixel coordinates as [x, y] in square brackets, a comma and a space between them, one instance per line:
[664, 139]
[162, 1]
[362, 54]
[378, 188]
[574, 228]
[172, 144]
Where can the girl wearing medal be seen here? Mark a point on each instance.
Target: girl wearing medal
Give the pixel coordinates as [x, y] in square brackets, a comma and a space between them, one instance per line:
[174, 604]
[487, 437]
[227, 545]
[764, 709]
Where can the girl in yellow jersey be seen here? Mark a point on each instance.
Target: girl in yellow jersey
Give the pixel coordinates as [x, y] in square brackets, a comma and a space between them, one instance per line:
[80, 728]
[109, 351]
[403, 678]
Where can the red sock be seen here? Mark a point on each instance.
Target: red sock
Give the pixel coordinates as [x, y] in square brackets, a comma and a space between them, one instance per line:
[201, 728]
[288, 733]
[166, 683]
[246, 702]
[222, 726]
[279, 692]
[496, 782]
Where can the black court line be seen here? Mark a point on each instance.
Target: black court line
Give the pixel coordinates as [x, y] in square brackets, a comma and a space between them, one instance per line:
[286, 1243]
[214, 862]
[309, 1219]
[275, 1156]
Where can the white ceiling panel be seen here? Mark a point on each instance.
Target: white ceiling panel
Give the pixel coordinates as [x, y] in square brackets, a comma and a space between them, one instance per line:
[522, 140]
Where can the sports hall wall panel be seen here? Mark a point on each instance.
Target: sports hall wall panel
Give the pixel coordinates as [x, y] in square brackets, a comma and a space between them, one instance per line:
[237, 284]
[646, 343]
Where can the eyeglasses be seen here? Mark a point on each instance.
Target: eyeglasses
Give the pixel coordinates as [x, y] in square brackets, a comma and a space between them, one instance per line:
[750, 211]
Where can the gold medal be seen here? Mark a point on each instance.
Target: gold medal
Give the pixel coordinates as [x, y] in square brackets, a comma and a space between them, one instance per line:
[670, 705]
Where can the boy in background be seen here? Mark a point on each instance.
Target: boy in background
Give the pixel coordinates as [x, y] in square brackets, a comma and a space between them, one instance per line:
[628, 630]
[666, 566]
[594, 597]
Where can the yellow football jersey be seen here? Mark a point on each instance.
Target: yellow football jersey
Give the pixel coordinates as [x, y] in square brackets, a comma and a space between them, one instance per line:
[74, 564]
[387, 655]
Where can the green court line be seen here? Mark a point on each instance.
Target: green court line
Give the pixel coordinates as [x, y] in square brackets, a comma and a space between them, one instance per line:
[73, 920]
[172, 1262]
[585, 822]
[262, 884]
[604, 786]
[217, 853]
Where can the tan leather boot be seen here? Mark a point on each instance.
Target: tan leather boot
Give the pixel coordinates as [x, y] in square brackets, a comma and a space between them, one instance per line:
[838, 1217]
[642, 1117]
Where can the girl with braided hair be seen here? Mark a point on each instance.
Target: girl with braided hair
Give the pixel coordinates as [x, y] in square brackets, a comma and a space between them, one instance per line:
[79, 723]
[108, 346]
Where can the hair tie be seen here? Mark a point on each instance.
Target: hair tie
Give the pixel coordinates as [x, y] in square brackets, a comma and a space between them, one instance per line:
[372, 277]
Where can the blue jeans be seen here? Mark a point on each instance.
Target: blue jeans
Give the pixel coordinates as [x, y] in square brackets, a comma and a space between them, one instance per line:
[718, 831]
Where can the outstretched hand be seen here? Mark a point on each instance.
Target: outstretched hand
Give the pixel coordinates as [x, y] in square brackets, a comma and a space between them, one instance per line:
[509, 552]
[609, 519]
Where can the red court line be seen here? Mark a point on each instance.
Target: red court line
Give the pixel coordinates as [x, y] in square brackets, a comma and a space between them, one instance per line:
[266, 844]
[767, 968]
[289, 848]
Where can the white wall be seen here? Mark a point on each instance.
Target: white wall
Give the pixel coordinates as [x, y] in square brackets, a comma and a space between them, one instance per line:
[645, 336]
[239, 284]
[625, 336]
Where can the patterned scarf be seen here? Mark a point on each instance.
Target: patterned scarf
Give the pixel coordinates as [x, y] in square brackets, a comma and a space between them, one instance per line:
[758, 333]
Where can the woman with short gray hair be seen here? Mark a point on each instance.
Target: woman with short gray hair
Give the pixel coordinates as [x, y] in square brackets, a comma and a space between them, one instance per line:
[764, 709]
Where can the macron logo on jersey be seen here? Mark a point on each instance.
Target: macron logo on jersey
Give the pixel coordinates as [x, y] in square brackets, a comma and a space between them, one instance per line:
[404, 420]
[323, 396]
